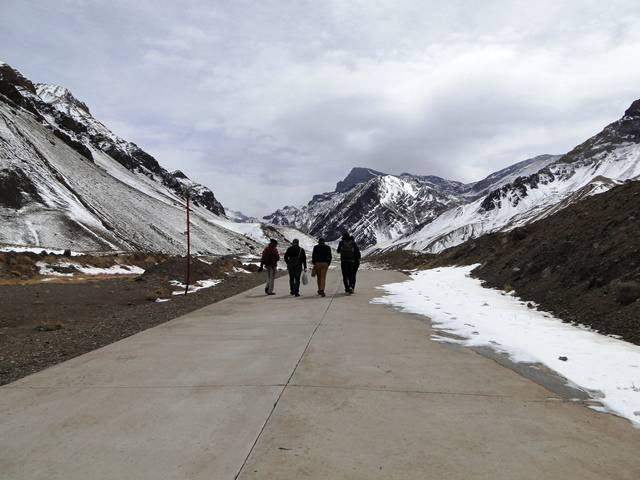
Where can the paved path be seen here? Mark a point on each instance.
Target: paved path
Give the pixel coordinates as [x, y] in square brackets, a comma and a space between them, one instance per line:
[283, 388]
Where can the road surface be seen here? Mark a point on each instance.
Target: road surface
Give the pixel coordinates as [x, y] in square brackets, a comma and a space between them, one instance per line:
[258, 387]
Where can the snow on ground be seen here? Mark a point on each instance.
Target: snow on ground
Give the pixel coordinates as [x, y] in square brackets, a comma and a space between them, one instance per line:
[37, 250]
[46, 269]
[113, 270]
[199, 285]
[458, 304]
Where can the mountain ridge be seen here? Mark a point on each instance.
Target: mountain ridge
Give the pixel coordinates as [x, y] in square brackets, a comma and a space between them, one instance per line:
[67, 181]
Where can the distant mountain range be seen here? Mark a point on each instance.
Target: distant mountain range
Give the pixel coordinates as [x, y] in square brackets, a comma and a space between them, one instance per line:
[429, 213]
[67, 181]
[377, 207]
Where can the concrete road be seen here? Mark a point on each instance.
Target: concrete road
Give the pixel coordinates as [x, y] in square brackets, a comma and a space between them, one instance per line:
[284, 388]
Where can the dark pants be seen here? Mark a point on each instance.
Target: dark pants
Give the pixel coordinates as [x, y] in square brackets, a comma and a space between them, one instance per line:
[294, 278]
[349, 275]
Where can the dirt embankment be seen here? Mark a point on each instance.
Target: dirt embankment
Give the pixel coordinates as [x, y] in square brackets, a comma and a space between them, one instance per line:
[46, 322]
[582, 264]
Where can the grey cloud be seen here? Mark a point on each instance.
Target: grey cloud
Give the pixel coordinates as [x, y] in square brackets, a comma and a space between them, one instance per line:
[270, 102]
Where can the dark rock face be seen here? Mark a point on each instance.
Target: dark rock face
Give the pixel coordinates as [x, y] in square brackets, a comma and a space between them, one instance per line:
[356, 176]
[633, 110]
[11, 76]
[516, 190]
[79, 147]
[625, 130]
[16, 189]
[477, 189]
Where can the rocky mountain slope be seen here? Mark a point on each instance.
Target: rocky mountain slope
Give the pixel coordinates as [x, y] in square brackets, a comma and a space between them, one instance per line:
[605, 160]
[372, 206]
[380, 208]
[581, 263]
[67, 181]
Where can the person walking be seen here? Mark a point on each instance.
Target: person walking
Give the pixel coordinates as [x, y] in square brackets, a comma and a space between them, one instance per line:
[296, 260]
[349, 261]
[321, 259]
[269, 262]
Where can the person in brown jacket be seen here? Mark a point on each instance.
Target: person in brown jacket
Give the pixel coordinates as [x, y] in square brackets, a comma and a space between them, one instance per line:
[269, 262]
[321, 259]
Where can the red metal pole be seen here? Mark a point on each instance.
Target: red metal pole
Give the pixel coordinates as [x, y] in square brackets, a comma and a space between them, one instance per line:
[186, 289]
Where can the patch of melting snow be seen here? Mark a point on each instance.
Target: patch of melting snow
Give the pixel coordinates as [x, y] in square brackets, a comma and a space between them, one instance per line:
[38, 250]
[199, 285]
[46, 269]
[603, 366]
[162, 300]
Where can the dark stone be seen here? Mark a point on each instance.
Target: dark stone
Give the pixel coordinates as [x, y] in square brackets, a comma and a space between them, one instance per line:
[16, 189]
[626, 292]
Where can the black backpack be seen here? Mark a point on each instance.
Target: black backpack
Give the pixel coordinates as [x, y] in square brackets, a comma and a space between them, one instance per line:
[347, 251]
[295, 260]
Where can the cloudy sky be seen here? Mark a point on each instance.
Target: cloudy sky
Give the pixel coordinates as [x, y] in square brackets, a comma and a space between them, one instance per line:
[268, 102]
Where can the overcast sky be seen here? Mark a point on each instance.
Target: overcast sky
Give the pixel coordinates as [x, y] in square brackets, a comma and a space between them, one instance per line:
[270, 102]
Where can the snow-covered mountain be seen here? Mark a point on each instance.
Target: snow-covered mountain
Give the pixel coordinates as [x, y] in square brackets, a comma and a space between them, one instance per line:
[605, 160]
[431, 213]
[378, 208]
[372, 206]
[67, 181]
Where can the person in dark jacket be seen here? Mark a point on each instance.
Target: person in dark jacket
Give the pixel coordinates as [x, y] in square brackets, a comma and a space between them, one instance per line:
[321, 259]
[349, 261]
[296, 260]
[269, 261]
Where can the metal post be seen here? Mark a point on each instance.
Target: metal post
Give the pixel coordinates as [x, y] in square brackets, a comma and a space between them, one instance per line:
[188, 279]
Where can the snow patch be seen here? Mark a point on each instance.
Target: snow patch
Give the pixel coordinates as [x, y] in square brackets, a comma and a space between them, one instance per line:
[461, 306]
[47, 269]
[38, 250]
[199, 285]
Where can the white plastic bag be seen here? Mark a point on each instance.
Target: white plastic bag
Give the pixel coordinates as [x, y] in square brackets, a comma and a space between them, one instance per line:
[305, 279]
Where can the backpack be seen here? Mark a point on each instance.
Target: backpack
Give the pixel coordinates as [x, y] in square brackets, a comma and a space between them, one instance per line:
[296, 260]
[347, 251]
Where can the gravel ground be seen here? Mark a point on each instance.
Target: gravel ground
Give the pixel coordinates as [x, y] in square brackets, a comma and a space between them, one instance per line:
[44, 323]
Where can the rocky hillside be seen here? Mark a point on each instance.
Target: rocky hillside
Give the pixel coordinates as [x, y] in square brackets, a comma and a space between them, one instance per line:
[372, 206]
[380, 208]
[581, 263]
[66, 181]
[605, 160]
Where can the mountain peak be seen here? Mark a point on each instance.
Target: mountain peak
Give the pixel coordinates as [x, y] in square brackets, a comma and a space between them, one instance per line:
[633, 110]
[57, 95]
[356, 176]
[10, 75]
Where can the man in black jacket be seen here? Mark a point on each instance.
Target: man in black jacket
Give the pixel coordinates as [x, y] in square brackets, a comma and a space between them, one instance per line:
[296, 260]
[321, 259]
[349, 261]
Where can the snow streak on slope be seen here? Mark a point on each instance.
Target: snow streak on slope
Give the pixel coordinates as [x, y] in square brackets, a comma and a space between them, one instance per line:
[457, 304]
